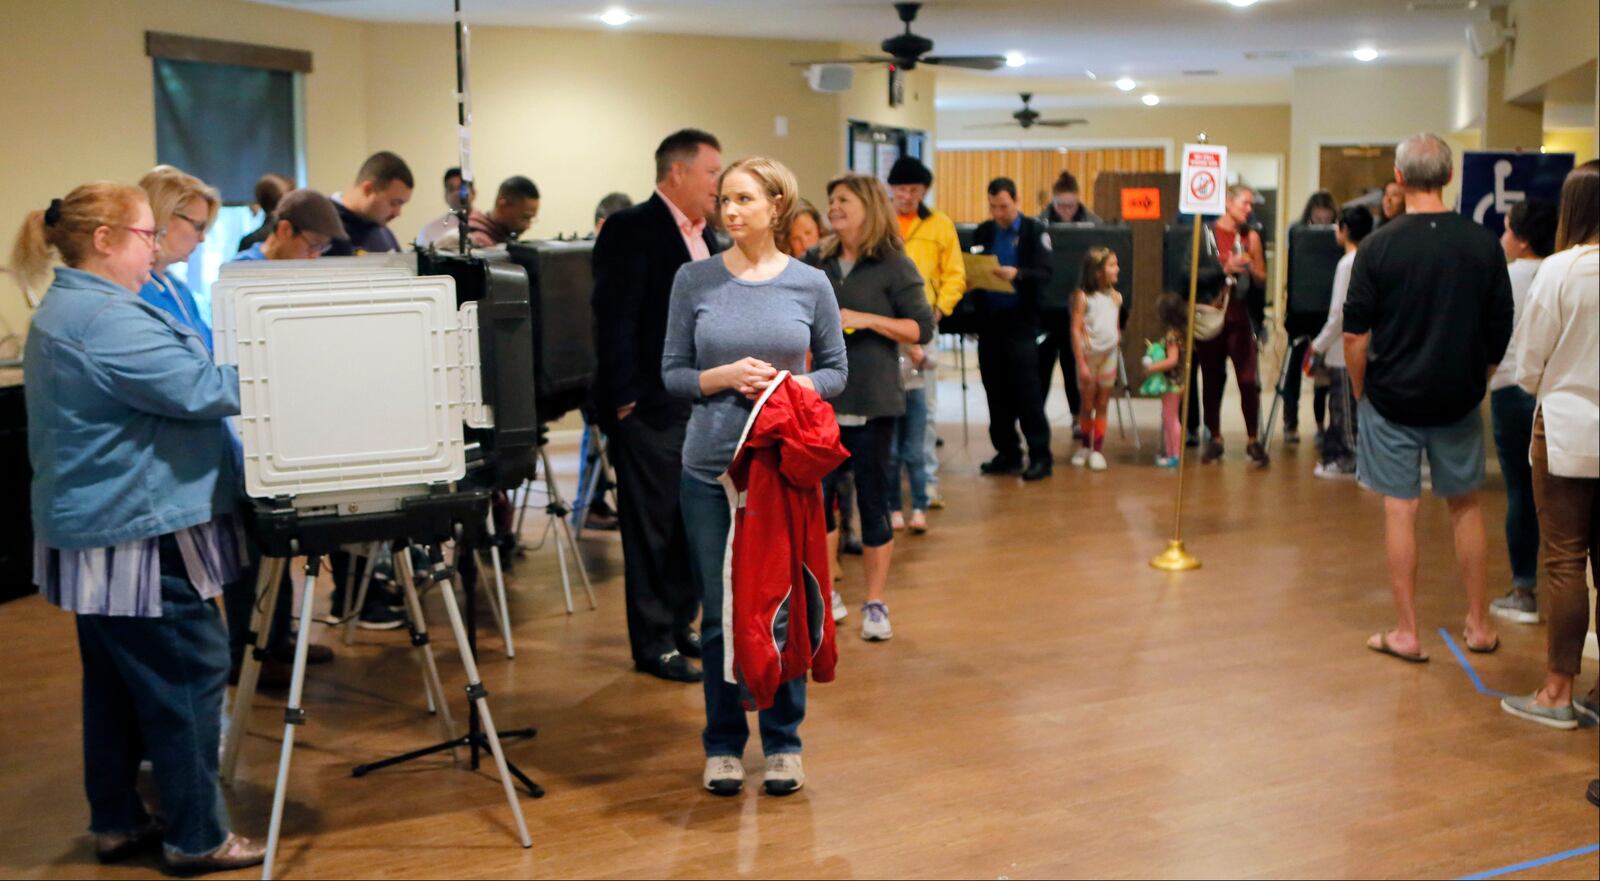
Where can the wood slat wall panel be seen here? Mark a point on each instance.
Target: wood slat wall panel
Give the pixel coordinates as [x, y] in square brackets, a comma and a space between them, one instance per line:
[963, 175]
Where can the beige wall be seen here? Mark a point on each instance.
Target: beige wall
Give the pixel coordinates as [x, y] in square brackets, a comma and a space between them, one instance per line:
[1352, 105]
[1553, 37]
[578, 111]
[1261, 128]
[545, 106]
[78, 102]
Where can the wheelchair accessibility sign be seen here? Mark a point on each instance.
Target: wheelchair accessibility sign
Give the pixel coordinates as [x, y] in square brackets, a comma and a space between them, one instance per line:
[1493, 181]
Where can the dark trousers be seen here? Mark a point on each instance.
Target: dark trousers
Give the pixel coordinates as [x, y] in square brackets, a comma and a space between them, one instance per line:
[1236, 343]
[1291, 390]
[661, 597]
[869, 464]
[153, 687]
[1511, 409]
[705, 510]
[1054, 347]
[1339, 443]
[1569, 521]
[1008, 363]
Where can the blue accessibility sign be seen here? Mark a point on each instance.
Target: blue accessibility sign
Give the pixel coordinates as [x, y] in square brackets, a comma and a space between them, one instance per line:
[1493, 181]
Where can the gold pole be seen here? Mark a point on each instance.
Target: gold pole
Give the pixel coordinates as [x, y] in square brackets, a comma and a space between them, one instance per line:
[1175, 558]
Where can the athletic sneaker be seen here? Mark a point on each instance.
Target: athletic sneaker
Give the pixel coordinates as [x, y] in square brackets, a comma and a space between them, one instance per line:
[1517, 605]
[1097, 461]
[840, 610]
[785, 775]
[936, 503]
[724, 775]
[1564, 718]
[1588, 707]
[918, 522]
[897, 521]
[1334, 471]
[1080, 458]
[1166, 461]
[1291, 436]
[1258, 455]
[1213, 452]
[875, 622]
[377, 616]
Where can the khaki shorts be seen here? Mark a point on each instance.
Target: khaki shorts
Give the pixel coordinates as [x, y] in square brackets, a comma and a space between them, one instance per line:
[1103, 368]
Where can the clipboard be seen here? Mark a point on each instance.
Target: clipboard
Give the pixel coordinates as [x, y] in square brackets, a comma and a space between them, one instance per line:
[981, 269]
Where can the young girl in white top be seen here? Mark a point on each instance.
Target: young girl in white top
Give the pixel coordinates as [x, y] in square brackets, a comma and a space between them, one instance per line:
[1339, 441]
[1096, 334]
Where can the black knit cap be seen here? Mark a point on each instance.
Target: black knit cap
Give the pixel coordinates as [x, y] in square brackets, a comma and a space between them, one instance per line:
[907, 170]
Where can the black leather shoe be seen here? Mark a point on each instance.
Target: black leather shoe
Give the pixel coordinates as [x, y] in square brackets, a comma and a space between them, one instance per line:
[689, 644]
[1001, 465]
[1037, 471]
[672, 667]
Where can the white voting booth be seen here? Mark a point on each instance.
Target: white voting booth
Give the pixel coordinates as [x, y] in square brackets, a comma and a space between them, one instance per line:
[358, 379]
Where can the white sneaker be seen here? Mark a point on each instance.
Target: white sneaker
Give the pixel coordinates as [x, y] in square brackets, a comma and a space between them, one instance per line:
[840, 610]
[1081, 457]
[918, 522]
[897, 521]
[725, 775]
[875, 622]
[1097, 461]
[1332, 471]
[785, 774]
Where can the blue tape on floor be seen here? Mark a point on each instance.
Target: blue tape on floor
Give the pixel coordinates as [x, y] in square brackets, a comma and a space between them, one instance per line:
[1534, 864]
[1472, 674]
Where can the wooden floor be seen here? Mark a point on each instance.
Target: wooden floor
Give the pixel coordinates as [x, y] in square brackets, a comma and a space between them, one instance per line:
[1049, 707]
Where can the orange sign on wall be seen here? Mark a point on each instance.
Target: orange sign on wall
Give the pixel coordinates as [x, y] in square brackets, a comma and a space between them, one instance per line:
[1141, 203]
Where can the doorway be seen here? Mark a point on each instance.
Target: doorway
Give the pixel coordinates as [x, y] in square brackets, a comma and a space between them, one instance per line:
[1350, 171]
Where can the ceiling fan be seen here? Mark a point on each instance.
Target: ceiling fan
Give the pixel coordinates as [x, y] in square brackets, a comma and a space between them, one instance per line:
[906, 51]
[1027, 117]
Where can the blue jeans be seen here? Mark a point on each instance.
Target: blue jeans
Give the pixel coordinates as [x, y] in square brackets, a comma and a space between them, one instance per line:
[1511, 409]
[153, 687]
[907, 447]
[707, 520]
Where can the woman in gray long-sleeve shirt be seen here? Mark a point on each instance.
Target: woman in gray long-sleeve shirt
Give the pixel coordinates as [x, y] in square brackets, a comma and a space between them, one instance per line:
[882, 305]
[735, 320]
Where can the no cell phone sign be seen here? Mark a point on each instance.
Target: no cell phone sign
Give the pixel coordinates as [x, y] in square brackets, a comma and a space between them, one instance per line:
[1205, 169]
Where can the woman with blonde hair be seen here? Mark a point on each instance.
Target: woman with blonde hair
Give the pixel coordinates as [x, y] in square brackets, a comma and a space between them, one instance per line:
[736, 319]
[132, 479]
[185, 207]
[882, 306]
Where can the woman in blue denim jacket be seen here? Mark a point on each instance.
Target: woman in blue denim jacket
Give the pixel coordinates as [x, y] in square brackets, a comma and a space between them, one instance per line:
[133, 482]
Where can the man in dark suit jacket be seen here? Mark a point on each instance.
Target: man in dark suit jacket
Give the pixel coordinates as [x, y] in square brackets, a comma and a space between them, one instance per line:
[636, 257]
[1008, 348]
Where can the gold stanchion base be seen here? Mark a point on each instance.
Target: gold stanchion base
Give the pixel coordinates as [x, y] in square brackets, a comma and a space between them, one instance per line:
[1175, 558]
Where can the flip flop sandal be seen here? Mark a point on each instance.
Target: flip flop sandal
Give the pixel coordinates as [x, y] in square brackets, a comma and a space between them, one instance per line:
[1480, 650]
[1383, 648]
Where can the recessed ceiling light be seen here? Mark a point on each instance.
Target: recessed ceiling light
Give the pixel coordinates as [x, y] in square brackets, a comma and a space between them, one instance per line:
[1089, 73]
[1365, 53]
[616, 16]
[1242, 3]
[1151, 100]
[1126, 84]
[1015, 59]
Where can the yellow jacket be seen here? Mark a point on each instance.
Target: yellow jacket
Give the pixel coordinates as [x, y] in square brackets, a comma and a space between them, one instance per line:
[933, 246]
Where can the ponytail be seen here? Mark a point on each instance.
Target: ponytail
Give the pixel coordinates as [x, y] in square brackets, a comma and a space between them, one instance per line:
[66, 229]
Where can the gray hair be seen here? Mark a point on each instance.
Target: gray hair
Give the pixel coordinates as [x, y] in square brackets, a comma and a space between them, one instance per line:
[1423, 161]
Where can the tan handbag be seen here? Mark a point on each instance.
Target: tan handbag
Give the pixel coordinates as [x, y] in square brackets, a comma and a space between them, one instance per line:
[1208, 320]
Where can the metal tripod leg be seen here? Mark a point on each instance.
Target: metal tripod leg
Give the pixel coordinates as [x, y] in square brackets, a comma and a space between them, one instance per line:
[961, 352]
[1126, 400]
[266, 600]
[558, 522]
[419, 638]
[522, 511]
[497, 602]
[480, 698]
[293, 716]
[586, 492]
[1277, 396]
[359, 596]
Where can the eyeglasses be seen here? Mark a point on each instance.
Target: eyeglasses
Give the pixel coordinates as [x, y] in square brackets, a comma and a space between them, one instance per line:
[198, 225]
[151, 236]
[318, 248]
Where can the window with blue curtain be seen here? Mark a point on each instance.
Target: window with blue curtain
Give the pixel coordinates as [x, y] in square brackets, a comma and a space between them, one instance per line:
[226, 113]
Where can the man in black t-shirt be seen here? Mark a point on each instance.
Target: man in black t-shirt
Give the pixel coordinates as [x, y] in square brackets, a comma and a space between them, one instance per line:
[1427, 319]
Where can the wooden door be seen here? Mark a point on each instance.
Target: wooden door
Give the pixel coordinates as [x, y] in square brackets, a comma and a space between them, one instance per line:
[1353, 170]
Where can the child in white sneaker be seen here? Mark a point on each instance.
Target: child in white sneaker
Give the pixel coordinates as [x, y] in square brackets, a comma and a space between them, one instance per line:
[1164, 376]
[1096, 335]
